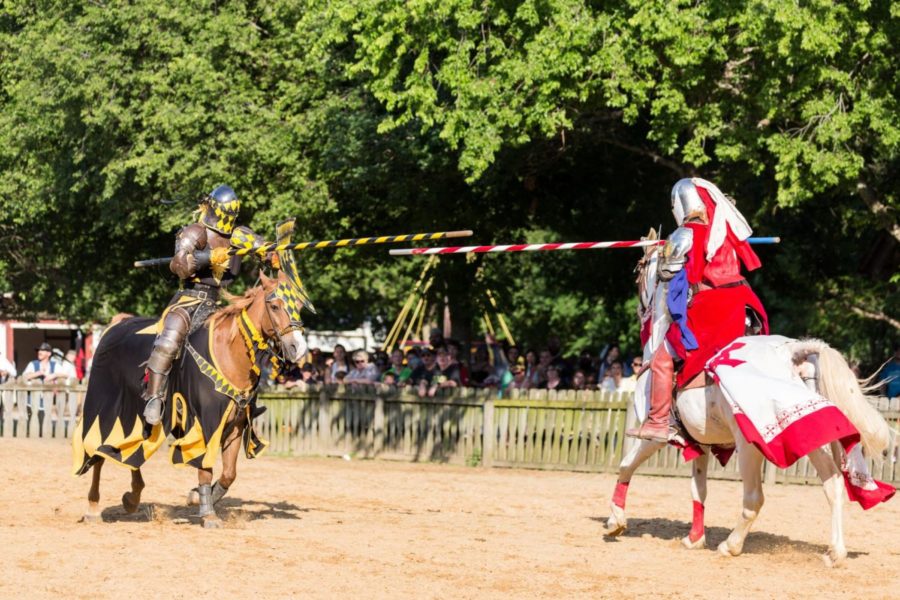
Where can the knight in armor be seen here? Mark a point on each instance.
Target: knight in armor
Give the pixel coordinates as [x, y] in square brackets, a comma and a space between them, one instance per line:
[708, 299]
[203, 265]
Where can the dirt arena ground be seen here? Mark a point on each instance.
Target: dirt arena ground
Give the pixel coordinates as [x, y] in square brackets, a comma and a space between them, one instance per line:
[324, 528]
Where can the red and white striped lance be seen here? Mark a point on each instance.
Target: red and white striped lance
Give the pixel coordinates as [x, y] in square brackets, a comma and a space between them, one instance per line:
[546, 247]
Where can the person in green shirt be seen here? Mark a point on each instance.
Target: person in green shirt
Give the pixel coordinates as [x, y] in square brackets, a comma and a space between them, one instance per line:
[400, 371]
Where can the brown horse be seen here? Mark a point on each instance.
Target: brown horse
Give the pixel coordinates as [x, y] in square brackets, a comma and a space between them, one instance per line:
[211, 387]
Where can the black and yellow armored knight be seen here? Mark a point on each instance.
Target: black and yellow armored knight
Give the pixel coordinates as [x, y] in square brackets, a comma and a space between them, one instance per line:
[204, 266]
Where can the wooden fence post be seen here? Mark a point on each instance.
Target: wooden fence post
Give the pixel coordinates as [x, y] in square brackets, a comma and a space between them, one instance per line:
[378, 425]
[488, 433]
[324, 421]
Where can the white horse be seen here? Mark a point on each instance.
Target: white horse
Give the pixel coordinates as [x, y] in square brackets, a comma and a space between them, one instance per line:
[709, 419]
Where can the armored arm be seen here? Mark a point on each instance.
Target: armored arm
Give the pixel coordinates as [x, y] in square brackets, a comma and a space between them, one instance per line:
[191, 252]
[674, 253]
[243, 238]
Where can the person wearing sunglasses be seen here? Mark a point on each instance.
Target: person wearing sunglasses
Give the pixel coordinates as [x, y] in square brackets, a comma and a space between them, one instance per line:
[362, 370]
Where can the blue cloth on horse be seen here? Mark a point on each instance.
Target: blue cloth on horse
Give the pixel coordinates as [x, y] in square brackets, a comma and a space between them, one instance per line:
[676, 302]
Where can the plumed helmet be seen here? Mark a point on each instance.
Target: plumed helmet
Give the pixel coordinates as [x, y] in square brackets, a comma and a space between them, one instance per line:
[220, 209]
[686, 202]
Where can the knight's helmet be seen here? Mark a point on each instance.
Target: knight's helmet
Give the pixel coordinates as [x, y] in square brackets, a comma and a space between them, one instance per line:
[686, 202]
[220, 209]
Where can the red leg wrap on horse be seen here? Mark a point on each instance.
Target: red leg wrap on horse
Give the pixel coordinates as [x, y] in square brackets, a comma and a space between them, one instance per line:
[697, 527]
[620, 493]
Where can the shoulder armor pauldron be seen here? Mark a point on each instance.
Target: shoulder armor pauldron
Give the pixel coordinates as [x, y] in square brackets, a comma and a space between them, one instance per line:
[674, 253]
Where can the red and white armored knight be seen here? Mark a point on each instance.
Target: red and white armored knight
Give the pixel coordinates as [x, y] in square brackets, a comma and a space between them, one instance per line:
[709, 303]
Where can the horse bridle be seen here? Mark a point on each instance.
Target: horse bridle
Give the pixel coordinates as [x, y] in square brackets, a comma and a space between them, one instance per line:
[279, 335]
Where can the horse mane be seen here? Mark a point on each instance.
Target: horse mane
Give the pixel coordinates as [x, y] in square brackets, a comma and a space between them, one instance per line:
[235, 305]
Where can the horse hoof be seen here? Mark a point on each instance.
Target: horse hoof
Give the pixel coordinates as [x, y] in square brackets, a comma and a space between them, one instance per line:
[87, 518]
[193, 498]
[725, 549]
[129, 506]
[687, 543]
[834, 558]
[211, 522]
[617, 523]
[615, 529]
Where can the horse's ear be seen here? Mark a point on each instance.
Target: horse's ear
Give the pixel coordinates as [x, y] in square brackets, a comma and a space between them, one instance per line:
[265, 280]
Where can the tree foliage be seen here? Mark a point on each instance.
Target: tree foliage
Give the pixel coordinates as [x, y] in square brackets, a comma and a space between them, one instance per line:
[531, 120]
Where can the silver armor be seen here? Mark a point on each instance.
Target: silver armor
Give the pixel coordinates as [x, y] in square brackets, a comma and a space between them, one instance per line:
[686, 202]
[674, 253]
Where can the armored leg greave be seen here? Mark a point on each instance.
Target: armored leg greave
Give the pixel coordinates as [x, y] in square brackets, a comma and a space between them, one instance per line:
[662, 374]
[206, 506]
[165, 349]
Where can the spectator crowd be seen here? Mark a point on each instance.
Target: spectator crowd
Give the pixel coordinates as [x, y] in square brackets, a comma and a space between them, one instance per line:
[446, 363]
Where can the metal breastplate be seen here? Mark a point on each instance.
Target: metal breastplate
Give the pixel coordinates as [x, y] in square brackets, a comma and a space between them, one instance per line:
[212, 276]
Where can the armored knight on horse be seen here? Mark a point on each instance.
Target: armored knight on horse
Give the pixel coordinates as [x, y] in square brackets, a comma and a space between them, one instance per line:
[204, 266]
[709, 302]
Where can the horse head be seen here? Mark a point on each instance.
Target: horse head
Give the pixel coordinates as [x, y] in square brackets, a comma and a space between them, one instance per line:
[283, 321]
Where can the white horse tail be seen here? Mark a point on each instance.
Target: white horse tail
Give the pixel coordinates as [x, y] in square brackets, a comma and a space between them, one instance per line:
[839, 385]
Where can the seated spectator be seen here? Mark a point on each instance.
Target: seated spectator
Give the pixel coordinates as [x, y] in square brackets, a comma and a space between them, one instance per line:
[512, 355]
[397, 369]
[340, 376]
[531, 364]
[337, 362]
[454, 349]
[427, 370]
[288, 376]
[554, 381]
[389, 378]
[579, 380]
[539, 374]
[447, 377]
[628, 384]
[614, 377]
[609, 354]
[483, 373]
[414, 357]
[307, 376]
[381, 362]
[363, 371]
[519, 382]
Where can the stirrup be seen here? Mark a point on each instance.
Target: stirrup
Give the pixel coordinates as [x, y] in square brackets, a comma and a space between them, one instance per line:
[644, 433]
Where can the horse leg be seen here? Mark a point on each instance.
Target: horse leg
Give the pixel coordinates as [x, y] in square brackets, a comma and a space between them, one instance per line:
[132, 500]
[231, 448]
[207, 513]
[833, 483]
[93, 512]
[617, 522]
[697, 537]
[750, 462]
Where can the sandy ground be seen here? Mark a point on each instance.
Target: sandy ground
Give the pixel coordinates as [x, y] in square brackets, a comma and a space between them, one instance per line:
[332, 528]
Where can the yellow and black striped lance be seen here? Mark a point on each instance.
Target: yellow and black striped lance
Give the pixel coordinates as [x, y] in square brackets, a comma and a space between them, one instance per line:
[350, 242]
[261, 250]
